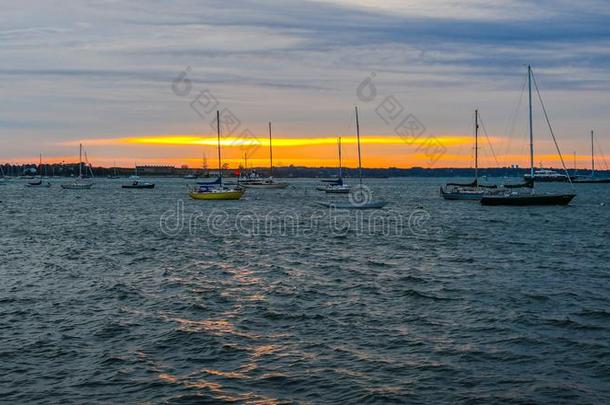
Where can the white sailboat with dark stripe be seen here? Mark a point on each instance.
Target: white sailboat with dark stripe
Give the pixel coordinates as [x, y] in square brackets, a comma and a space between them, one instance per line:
[360, 198]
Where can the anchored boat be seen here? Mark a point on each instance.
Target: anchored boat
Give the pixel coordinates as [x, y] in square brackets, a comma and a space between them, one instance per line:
[80, 183]
[519, 198]
[360, 198]
[39, 183]
[265, 183]
[136, 183]
[473, 190]
[592, 179]
[215, 190]
[336, 186]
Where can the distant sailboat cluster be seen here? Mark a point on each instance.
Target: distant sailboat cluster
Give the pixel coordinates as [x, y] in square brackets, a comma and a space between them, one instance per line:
[359, 196]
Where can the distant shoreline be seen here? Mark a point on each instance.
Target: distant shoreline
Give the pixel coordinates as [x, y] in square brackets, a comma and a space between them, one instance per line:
[70, 170]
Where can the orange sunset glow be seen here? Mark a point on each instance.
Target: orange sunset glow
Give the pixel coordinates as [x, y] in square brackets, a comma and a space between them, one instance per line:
[443, 150]
[379, 151]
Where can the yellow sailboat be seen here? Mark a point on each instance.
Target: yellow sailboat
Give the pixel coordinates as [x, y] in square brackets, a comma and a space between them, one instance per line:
[215, 190]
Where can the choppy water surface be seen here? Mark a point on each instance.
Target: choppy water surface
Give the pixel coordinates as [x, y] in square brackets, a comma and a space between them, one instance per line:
[465, 303]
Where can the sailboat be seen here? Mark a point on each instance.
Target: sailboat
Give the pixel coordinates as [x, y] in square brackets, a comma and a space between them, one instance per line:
[215, 190]
[592, 179]
[115, 174]
[336, 186]
[473, 190]
[367, 202]
[248, 176]
[80, 183]
[3, 178]
[39, 183]
[267, 183]
[531, 197]
[136, 183]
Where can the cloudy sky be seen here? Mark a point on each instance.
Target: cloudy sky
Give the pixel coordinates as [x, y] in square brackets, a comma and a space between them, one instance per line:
[105, 73]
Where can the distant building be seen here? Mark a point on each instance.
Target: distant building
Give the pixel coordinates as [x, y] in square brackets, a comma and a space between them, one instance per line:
[156, 170]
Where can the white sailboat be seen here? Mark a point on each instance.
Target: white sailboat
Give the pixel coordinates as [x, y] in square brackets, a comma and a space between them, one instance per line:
[80, 183]
[360, 197]
[265, 183]
[592, 179]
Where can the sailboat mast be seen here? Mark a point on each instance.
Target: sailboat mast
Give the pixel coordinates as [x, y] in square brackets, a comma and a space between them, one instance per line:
[40, 165]
[340, 162]
[219, 157]
[358, 139]
[270, 153]
[592, 156]
[476, 147]
[80, 160]
[529, 84]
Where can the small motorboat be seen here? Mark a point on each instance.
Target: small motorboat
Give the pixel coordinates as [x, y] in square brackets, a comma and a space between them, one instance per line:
[139, 184]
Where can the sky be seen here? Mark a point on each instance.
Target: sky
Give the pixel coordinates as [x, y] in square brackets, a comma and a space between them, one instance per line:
[138, 81]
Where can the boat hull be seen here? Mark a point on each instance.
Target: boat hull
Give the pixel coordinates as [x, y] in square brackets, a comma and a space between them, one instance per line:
[76, 186]
[264, 186]
[218, 195]
[462, 195]
[591, 181]
[524, 200]
[139, 186]
[349, 206]
[44, 185]
[337, 191]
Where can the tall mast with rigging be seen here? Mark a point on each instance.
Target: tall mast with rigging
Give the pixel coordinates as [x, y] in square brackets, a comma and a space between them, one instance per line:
[340, 162]
[219, 157]
[358, 139]
[270, 153]
[476, 148]
[592, 156]
[531, 122]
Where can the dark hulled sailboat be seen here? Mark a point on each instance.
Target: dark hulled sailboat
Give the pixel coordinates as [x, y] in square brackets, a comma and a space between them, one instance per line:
[530, 197]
